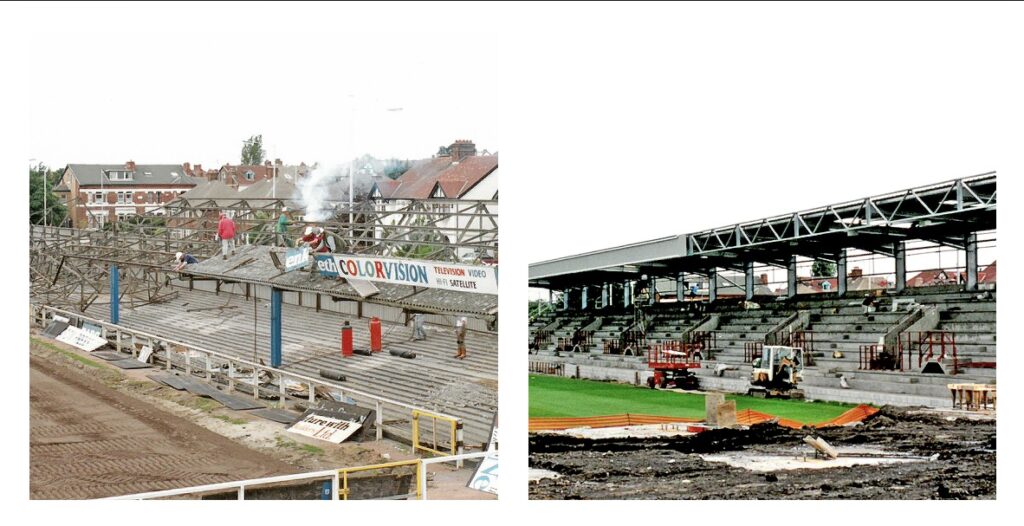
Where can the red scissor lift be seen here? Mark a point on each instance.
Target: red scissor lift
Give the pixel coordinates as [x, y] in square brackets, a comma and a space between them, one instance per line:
[672, 363]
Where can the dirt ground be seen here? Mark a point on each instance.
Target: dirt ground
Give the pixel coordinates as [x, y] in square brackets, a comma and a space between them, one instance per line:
[672, 468]
[100, 431]
[88, 441]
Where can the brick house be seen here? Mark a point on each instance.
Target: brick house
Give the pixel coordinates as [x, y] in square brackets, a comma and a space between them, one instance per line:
[95, 194]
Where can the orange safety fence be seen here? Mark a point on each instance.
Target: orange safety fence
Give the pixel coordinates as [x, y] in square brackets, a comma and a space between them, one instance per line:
[746, 417]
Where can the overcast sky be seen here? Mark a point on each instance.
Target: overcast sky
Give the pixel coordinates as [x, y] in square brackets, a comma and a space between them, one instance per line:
[176, 95]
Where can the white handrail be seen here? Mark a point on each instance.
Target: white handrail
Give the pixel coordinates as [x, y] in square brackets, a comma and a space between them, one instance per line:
[240, 485]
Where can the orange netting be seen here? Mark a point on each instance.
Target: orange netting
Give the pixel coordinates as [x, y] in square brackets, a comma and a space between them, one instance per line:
[746, 417]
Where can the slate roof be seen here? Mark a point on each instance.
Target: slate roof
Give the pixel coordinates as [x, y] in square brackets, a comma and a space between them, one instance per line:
[164, 174]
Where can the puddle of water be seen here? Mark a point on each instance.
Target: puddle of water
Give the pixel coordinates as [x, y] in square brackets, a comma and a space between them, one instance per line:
[638, 431]
[536, 474]
[761, 462]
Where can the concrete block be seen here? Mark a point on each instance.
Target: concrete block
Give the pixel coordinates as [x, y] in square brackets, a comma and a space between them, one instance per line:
[712, 401]
[726, 416]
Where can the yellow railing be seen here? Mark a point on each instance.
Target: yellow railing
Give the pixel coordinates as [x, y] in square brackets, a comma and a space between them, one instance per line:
[451, 425]
[344, 472]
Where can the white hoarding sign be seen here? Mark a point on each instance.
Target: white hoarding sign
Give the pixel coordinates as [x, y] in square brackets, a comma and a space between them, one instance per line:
[419, 273]
[486, 476]
[324, 428]
[84, 340]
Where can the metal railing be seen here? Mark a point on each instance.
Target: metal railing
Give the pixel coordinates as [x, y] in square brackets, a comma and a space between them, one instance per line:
[900, 355]
[219, 366]
[752, 350]
[452, 426]
[338, 478]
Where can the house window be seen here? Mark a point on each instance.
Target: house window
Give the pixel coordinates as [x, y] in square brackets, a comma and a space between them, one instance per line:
[120, 198]
[99, 197]
[149, 197]
[159, 196]
[249, 175]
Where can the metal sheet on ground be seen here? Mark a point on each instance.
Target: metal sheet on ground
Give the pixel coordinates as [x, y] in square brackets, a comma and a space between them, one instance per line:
[199, 388]
[131, 364]
[55, 328]
[171, 380]
[277, 415]
[111, 356]
[237, 403]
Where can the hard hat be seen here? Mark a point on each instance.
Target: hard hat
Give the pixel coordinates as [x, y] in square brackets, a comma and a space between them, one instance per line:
[309, 230]
[178, 256]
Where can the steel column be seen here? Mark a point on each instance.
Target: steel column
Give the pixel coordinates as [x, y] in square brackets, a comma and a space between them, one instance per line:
[565, 299]
[713, 285]
[748, 270]
[680, 287]
[971, 248]
[115, 295]
[627, 291]
[653, 289]
[275, 327]
[900, 255]
[841, 279]
[604, 295]
[791, 277]
[583, 298]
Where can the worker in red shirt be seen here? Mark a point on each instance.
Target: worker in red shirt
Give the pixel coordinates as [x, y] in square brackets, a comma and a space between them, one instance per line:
[226, 234]
[319, 244]
[308, 238]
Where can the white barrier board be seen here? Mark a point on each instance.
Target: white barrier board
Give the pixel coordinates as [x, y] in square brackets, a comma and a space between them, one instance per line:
[324, 428]
[83, 340]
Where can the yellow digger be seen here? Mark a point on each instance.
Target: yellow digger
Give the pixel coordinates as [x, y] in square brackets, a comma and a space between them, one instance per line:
[777, 372]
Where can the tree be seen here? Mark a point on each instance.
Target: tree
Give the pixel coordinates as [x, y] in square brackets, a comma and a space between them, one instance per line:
[252, 150]
[823, 269]
[54, 210]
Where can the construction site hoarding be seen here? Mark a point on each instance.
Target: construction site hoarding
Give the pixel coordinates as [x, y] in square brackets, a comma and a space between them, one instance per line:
[430, 274]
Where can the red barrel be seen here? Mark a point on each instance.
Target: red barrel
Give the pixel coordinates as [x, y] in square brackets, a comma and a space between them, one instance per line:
[346, 340]
[375, 339]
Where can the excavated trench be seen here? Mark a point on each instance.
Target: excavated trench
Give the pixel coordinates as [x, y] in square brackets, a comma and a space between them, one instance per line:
[942, 457]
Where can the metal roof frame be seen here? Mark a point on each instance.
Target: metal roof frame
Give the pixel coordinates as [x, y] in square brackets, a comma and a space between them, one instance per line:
[942, 213]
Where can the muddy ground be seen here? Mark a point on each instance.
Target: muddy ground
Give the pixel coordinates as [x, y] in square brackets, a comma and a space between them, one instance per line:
[672, 468]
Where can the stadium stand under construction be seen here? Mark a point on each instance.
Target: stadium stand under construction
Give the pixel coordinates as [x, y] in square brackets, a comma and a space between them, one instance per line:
[892, 336]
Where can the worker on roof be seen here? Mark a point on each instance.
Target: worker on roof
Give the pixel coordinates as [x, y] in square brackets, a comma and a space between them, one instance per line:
[183, 259]
[281, 229]
[320, 241]
[460, 337]
[308, 236]
[226, 234]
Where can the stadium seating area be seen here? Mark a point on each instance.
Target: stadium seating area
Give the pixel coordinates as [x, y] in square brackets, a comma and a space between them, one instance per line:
[945, 325]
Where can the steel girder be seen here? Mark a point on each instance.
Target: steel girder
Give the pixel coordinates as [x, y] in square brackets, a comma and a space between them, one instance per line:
[942, 213]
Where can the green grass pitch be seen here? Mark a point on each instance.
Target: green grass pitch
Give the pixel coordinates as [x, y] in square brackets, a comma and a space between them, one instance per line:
[553, 396]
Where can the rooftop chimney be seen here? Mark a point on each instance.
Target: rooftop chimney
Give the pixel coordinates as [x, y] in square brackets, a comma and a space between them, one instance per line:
[188, 168]
[130, 166]
[461, 148]
[278, 162]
